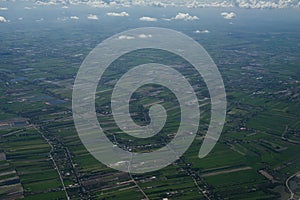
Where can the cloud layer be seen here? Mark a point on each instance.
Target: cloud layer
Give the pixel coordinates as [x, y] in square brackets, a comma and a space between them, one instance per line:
[74, 17]
[114, 14]
[92, 17]
[229, 15]
[258, 4]
[148, 19]
[125, 37]
[129, 37]
[201, 31]
[2, 19]
[185, 16]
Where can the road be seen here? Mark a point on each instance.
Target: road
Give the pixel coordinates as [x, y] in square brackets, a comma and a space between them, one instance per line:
[53, 161]
[288, 187]
[137, 185]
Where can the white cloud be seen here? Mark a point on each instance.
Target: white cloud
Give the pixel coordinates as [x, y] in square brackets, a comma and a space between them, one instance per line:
[3, 9]
[267, 4]
[207, 4]
[145, 36]
[74, 17]
[185, 16]
[3, 20]
[113, 3]
[45, 3]
[202, 31]
[114, 14]
[257, 4]
[40, 20]
[129, 37]
[229, 15]
[20, 18]
[62, 19]
[98, 4]
[126, 37]
[92, 17]
[148, 19]
[166, 19]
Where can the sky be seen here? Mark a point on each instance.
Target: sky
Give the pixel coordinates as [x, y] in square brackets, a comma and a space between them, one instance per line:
[258, 4]
[12, 11]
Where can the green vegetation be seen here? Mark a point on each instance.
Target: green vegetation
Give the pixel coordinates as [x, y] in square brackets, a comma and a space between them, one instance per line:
[42, 157]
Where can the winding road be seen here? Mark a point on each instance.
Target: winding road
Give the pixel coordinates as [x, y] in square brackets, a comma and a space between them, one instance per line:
[288, 187]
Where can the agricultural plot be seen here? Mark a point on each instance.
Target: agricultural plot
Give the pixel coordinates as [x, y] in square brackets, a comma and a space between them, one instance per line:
[42, 157]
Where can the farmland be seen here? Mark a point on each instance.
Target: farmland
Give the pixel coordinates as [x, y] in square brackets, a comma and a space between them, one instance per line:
[42, 157]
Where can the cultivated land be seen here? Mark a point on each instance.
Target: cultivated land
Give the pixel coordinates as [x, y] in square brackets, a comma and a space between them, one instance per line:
[257, 157]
